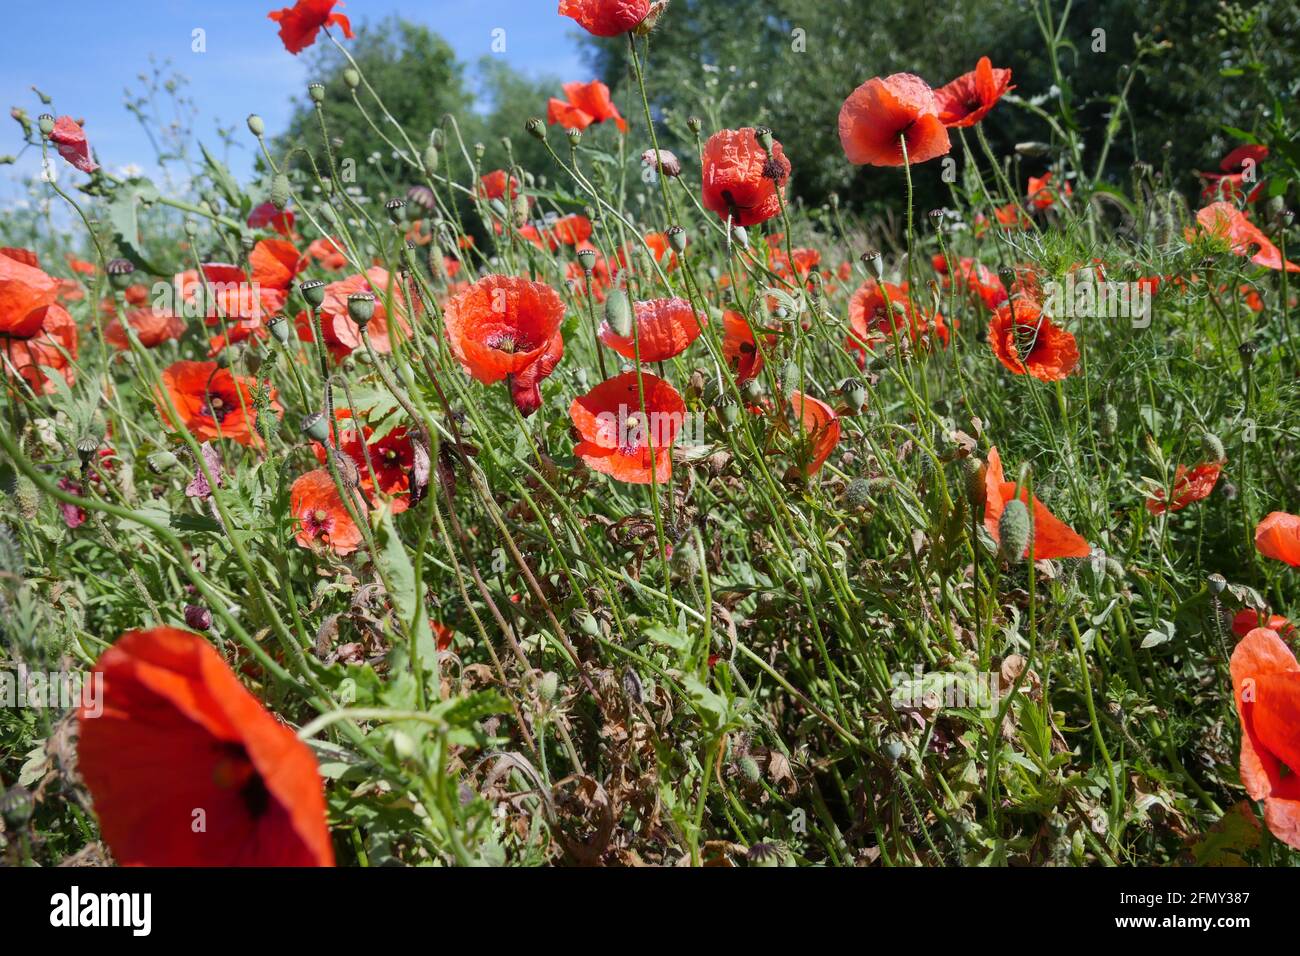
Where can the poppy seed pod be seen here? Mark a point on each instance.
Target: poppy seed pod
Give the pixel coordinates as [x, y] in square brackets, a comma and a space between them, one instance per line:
[730, 413]
[161, 461]
[278, 326]
[119, 273]
[361, 307]
[618, 312]
[1033, 149]
[536, 128]
[352, 78]
[574, 136]
[46, 123]
[255, 124]
[280, 190]
[587, 259]
[87, 445]
[764, 137]
[695, 124]
[764, 855]
[421, 196]
[1013, 530]
[854, 392]
[396, 209]
[677, 238]
[313, 292]
[1217, 584]
[315, 427]
[197, 618]
[874, 262]
[317, 92]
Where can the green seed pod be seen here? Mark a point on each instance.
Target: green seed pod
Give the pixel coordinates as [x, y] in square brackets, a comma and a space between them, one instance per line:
[695, 124]
[752, 390]
[1212, 447]
[46, 123]
[352, 78]
[120, 272]
[317, 92]
[161, 461]
[313, 292]
[315, 427]
[536, 128]
[361, 308]
[575, 137]
[587, 259]
[396, 209]
[730, 413]
[1013, 530]
[854, 392]
[618, 312]
[279, 328]
[255, 124]
[280, 190]
[677, 238]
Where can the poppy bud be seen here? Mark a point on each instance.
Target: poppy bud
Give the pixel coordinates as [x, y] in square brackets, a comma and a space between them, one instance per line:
[315, 427]
[874, 262]
[430, 157]
[317, 92]
[590, 626]
[1013, 530]
[790, 375]
[255, 124]
[662, 161]
[657, 9]
[587, 259]
[352, 78]
[574, 137]
[191, 228]
[197, 618]
[46, 123]
[618, 312]
[748, 768]
[27, 497]
[161, 461]
[278, 326]
[1212, 447]
[973, 469]
[1033, 149]
[685, 562]
[677, 238]
[1109, 420]
[858, 493]
[519, 207]
[361, 307]
[548, 685]
[223, 359]
[740, 237]
[536, 128]
[1114, 569]
[280, 190]
[312, 291]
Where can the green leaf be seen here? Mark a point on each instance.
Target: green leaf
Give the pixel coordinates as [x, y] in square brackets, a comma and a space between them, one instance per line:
[123, 217]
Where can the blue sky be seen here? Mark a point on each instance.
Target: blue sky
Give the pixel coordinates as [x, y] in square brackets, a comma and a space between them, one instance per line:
[85, 53]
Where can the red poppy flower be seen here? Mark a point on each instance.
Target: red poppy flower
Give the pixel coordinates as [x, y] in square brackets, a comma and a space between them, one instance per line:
[500, 325]
[606, 18]
[1027, 343]
[152, 326]
[1189, 486]
[321, 515]
[268, 214]
[587, 103]
[617, 428]
[70, 140]
[880, 112]
[1266, 689]
[329, 253]
[525, 390]
[1052, 538]
[1278, 536]
[1010, 218]
[391, 457]
[493, 185]
[52, 349]
[740, 348]
[741, 180]
[1246, 620]
[26, 293]
[969, 98]
[442, 633]
[1224, 220]
[568, 230]
[819, 431]
[664, 328]
[1040, 194]
[974, 277]
[1229, 184]
[876, 310]
[300, 23]
[178, 741]
[342, 335]
[211, 402]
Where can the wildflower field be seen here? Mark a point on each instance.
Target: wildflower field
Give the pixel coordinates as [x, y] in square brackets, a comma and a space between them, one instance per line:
[654, 484]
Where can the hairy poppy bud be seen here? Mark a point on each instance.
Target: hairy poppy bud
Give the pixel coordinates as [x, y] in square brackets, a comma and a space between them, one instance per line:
[662, 161]
[317, 92]
[255, 125]
[973, 469]
[352, 78]
[587, 259]
[197, 618]
[1013, 530]
[536, 128]
[1033, 149]
[548, 685]
[315, 427]
[27, 497]
[119, 273]
[858, 493]
[1109, 420]
[361, 307]
[1212, 447]
[748, 768]
[740, 237]
[677, 238]
[430, 157]
[685, 562]
[618, 312]
[280, 190]
[313, 292]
